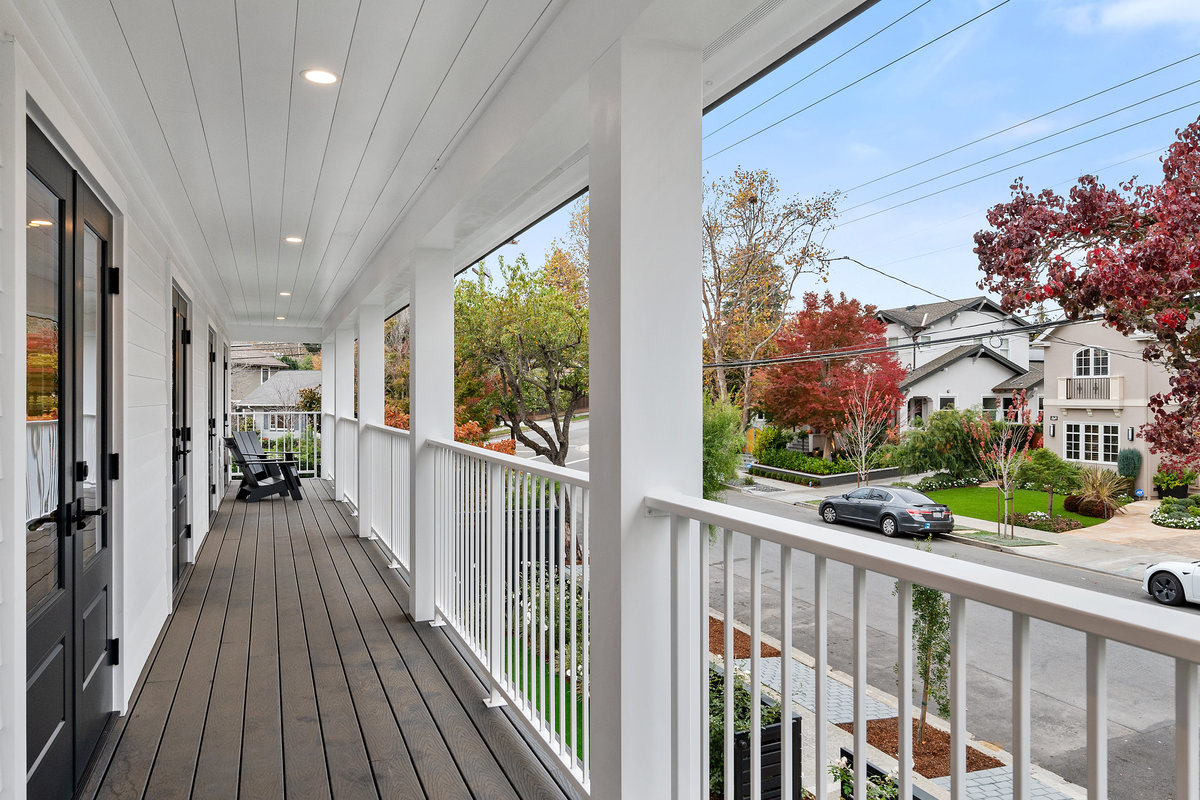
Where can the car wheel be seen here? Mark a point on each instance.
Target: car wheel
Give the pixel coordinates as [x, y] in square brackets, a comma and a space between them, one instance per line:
[829, 514]
[888, 526]
[1166, 589]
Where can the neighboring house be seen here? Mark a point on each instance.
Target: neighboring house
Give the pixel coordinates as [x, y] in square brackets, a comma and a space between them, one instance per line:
[273, 404]
[249, 369]
[1096, 398]
[982, 371]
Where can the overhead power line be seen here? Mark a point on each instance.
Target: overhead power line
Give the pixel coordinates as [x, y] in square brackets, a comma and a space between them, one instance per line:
[857, 81]
[818, 69]
[994, 134]
[1020, 164]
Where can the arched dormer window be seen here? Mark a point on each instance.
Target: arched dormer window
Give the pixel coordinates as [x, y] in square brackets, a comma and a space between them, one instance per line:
[1091, 362]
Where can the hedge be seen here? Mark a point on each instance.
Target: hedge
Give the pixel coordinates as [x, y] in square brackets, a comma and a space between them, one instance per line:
[1178, 512]
[799, 462]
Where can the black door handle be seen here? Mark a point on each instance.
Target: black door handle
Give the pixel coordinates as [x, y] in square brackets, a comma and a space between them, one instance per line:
[81, 519]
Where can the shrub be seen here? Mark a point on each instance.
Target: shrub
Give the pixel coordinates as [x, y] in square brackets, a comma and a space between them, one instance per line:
[1101, 487]
[1173, 478]
[1071, 503]
[769, 440]
[722, 446]
[1041, 521]
[944, 480]
[1181, 512]
[716, 722]
[1089, 507]
[1129, 462]
[799, 462]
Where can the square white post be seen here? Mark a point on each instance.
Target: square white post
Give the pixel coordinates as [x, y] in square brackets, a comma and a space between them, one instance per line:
[431, 411]
[645, 179]
[370, 407]
[328, 437]
[343, 401]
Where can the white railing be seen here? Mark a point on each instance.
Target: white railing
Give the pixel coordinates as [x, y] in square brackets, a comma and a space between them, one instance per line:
[513, 571]
[388, 512]
[1101, 618]
[41, 467]
[328, 423]
[295, 432]
[345, 450]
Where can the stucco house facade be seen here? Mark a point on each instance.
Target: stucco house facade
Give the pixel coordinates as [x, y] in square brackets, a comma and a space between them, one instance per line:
[962, 354]
[1096, 399]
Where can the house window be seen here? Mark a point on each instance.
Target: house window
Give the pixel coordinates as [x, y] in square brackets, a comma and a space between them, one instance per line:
[1092, 442]
[945, 402]
[1091, 362]
[924, 342]
[990, 406]
[264, 375]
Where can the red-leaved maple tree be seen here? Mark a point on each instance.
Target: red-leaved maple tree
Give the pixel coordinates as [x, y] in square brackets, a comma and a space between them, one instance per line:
[812, 392]
[1130, 255]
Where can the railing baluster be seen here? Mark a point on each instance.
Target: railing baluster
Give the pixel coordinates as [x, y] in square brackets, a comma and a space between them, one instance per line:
[495, 580]
[1187, 730]
[821, 667]
[787, 746]
[860, 683]
[705, 604]
[958, 697]
[1097, 717]
[587, 630]
[756, 668]
[1021, 694]
[559, 672]
[727, 662]
[904, 683]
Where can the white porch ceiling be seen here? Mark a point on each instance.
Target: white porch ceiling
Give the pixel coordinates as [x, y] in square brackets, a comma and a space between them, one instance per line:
[454, 123]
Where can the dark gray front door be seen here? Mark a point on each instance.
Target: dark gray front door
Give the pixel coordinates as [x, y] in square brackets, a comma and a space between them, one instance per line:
[68, 531]
[181, 433]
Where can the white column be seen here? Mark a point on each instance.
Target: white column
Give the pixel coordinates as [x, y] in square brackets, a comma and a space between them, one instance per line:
[370, 404]
[343, 395]
[645, 402]
[328, 437]
[431, 410]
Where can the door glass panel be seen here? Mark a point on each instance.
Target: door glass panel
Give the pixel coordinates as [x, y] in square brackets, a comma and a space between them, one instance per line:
[93, 259]
[43, 230]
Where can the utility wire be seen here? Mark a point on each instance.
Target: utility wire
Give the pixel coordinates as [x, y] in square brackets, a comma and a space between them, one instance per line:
[859, 80]
[834, 355]
[1019, 164]
[1024, 122]
[818, 69]
[1019, 147]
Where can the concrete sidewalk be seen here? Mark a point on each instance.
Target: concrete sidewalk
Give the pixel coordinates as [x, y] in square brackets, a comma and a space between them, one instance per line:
[1123, 546]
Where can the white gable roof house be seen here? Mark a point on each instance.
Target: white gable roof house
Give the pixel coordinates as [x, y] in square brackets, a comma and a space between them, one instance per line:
[962, 354]
[413, 621]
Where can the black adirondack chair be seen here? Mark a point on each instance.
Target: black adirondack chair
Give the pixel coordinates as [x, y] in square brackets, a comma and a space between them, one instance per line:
[261, 476]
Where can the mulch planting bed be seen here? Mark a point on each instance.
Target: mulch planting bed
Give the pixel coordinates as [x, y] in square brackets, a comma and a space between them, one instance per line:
[741, 642]
[931, 759]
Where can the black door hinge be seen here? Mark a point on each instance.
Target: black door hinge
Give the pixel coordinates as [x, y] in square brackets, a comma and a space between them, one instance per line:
[81, 471]
[114, 466]
[187, 531]
[212, 357]
[114, 652]
[114, 280]
[185, 336]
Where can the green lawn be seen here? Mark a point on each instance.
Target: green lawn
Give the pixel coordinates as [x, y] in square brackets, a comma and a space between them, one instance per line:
[980, 503]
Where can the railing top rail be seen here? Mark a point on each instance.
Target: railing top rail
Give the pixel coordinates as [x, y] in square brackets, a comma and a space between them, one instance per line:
[1171, 632]
[388, 429]
[564, 474]
[340, 418]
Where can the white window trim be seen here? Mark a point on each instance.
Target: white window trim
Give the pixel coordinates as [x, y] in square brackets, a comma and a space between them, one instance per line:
[1079, 432]
[953, 398]
[1092, 359]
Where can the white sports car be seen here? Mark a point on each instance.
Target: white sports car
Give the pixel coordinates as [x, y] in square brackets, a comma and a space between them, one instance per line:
[1173, 582]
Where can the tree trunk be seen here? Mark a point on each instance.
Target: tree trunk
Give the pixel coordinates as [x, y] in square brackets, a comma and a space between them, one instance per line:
[924, 705]
[1050, 505]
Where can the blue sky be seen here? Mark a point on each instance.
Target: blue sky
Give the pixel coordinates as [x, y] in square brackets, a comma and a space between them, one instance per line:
[1016, 62]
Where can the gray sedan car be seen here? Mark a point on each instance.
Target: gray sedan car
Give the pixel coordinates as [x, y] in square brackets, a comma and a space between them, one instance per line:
[892, 511]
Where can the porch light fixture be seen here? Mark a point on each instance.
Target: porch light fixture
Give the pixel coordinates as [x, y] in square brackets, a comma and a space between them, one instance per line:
[1051, 430]
[1129, 433]
[293, 239]
[39, 223]
[285, 294]
[321, 76]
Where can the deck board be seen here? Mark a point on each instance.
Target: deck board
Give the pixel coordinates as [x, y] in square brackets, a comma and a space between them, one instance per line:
[292, 668]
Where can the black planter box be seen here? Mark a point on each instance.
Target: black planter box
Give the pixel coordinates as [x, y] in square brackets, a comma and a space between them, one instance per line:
[1177, 491]
[772, 763]
[872, 770]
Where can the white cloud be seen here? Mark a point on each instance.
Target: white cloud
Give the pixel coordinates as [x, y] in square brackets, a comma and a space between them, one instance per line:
[1086, 18]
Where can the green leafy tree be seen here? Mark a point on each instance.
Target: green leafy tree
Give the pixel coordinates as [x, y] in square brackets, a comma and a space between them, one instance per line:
[529, 333]
[722, 446]
[1044, 468]
[309, 399]
[941, 443]
[931, 641]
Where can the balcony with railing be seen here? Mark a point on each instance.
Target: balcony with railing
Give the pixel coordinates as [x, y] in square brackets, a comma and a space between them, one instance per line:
[1093, 392]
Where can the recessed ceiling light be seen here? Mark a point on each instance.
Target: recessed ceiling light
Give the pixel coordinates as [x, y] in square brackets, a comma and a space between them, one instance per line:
[285, 294]
[281, 318]
[293, 240]
[319, 76]
[38, 223]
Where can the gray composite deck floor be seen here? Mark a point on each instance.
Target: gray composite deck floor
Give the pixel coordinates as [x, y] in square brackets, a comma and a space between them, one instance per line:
[290, 669]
